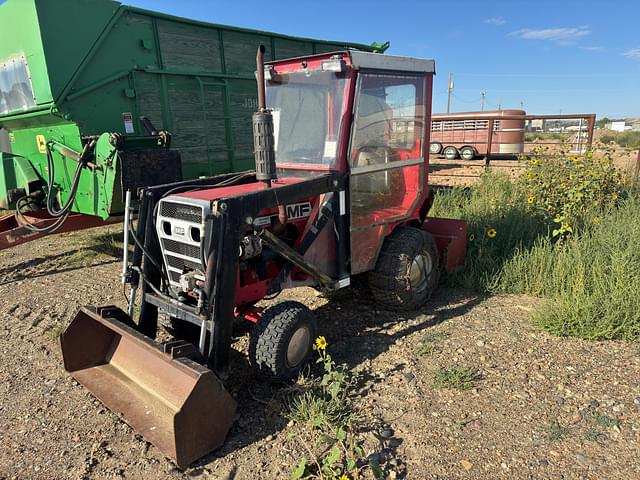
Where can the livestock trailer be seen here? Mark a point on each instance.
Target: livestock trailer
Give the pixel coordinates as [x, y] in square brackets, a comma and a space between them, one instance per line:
[466, 134]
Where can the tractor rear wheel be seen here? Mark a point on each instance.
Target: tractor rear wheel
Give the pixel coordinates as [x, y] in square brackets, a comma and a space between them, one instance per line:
[407, 272]
[281, 343]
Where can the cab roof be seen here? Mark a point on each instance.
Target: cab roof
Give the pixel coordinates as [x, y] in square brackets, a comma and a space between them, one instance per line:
[369, 61]
[380, 61]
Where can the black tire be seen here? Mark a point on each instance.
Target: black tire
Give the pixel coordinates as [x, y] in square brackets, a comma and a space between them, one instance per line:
[450, 153]
[407, 272]
[435, 148]
[270, 340]
[467, 153]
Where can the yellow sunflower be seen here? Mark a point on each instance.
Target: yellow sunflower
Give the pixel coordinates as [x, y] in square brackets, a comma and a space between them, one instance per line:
[537, 149]
[534, 161]
[574, 158]
[321, 343]
[491, 233]
[530, 200]
[472, 237]
[343, 477]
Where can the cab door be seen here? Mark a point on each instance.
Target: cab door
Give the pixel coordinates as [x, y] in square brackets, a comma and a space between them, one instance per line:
[386, 159]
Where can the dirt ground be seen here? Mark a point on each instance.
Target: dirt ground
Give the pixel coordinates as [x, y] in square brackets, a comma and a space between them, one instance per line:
[545, 407]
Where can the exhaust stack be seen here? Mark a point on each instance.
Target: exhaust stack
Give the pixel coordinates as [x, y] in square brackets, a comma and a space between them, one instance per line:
[263, 139]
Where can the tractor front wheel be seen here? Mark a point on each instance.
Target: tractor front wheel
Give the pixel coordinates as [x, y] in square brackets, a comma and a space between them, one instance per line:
[407, 272]
[281, 343]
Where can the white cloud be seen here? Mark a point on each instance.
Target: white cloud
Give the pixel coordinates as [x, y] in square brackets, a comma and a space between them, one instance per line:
[495, 21]
[593, 49]
[561, 36]
[633, 54]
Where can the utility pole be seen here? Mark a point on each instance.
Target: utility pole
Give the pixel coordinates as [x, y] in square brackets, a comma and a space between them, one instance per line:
[482, 95]
[521, 105]
[449, 90]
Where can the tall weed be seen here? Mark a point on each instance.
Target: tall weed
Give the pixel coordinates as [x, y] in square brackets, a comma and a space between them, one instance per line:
[590, 276]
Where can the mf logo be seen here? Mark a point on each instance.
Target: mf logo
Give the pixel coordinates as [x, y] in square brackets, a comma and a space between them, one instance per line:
[298, 210]
[295, 211]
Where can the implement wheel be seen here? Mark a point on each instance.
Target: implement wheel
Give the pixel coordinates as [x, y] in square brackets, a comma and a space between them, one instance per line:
[407, 272]
[281, 343]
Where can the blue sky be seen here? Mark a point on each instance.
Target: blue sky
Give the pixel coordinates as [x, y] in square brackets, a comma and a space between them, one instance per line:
[553, 56]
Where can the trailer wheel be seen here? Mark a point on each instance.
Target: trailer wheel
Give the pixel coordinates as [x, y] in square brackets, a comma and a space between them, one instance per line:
[407, 271]
[450, 153]
[281, 343]
[467, 153]
[435, 148]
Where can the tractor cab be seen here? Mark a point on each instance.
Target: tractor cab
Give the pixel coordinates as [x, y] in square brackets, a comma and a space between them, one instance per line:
[358, 113]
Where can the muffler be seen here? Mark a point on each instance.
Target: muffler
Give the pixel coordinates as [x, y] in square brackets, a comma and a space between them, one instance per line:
[175, 403]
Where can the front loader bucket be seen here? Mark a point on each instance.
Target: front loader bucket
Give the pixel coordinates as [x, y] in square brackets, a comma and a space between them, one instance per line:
[176, 404]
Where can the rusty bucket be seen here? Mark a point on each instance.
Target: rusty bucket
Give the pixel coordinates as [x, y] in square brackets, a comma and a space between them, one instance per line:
[175, 403]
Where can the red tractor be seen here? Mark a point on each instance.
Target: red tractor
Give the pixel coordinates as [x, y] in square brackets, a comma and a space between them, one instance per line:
[340, 191]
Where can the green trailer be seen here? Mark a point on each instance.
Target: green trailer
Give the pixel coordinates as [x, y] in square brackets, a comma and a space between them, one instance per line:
[78, 78]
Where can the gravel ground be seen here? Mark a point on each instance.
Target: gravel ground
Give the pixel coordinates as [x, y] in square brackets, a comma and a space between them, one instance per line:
[543, 407]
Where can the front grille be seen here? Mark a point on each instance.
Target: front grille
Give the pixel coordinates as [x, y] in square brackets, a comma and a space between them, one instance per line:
[190, 213]
[180, 263]
[174, 276]
[181, 248]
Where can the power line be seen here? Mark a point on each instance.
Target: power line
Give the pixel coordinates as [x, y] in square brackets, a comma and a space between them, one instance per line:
[547, 75]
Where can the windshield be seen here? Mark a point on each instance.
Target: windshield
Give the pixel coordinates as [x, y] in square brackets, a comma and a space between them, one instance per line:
[307, 113]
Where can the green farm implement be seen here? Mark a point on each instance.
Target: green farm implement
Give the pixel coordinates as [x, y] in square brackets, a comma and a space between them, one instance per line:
[89, 90]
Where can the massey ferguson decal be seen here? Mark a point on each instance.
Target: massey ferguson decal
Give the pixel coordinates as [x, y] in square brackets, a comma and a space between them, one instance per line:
[295, 211]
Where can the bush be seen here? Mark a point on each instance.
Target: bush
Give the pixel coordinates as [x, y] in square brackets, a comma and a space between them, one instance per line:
[607, 139]
[626, 140]
[589, 270]
[629, 140]
[498, 222]
[569, 191]
[592, 280]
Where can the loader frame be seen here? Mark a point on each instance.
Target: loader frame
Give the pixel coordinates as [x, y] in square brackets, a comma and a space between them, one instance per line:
[231, 219]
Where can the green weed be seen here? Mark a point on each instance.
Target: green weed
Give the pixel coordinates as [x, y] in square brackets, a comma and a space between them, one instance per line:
[556, 432]
[324, 417]
[429, 343]
[593, 435]
[601, 420]
[456, 378]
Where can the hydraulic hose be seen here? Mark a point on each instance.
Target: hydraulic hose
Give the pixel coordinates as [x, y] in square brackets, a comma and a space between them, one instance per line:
[28, 225]
[62, 214]
[82, 161]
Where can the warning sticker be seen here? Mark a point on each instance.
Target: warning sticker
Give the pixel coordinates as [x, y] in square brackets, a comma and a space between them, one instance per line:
[42, 143]
[127, 118]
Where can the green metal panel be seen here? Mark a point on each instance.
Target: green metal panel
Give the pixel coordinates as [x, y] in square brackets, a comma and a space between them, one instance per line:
[93, 63]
